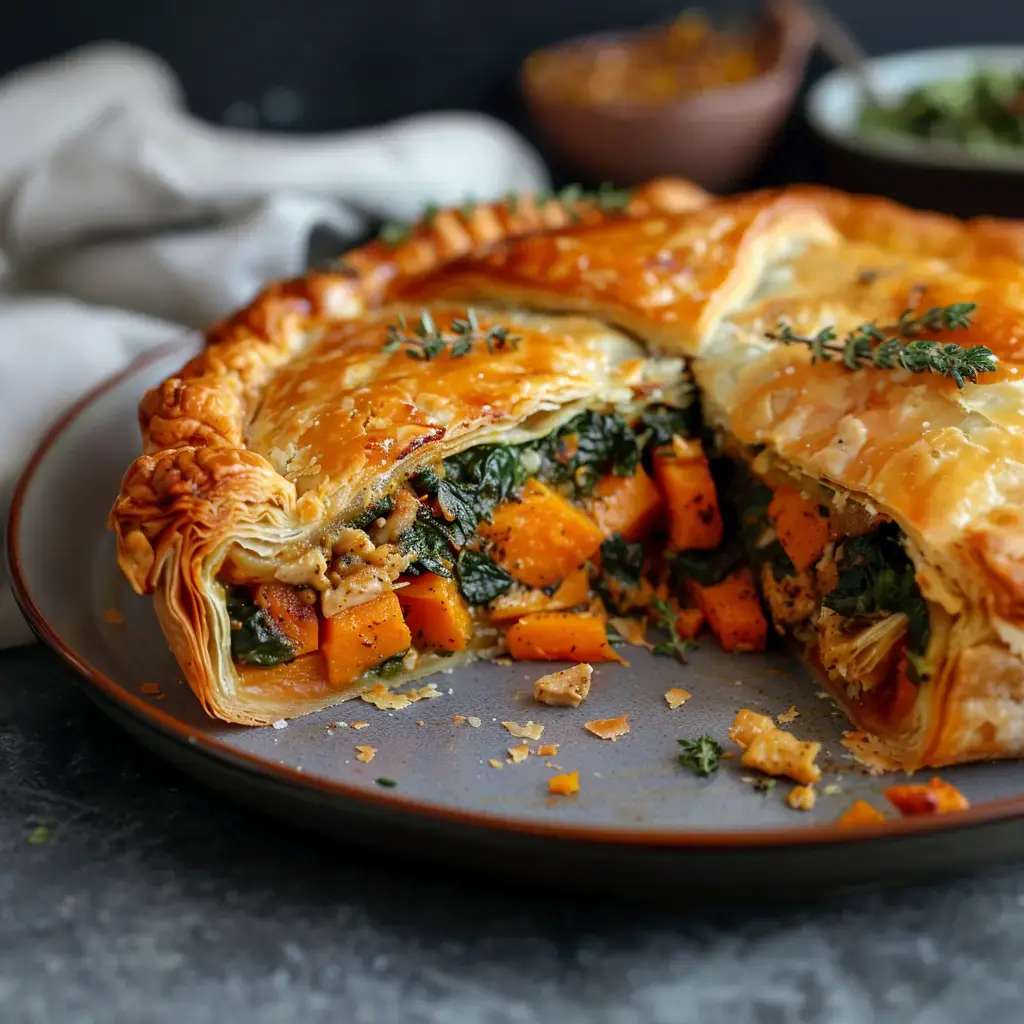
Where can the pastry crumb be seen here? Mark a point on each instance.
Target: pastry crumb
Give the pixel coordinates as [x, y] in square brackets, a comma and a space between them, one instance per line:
[341, 725]
[495, 763]
[388, 700]
[113, 617]
[365, 753]
[567, 688]
[280, 724]
[564, 785]
[676, 697]
[831, 789]
[360, 725]
[772, 750]
[530, 731]
[861, 813]
[802, 798]
[608, 728]
[458, 719]
[547, 750]
[152, 689]
[474, 722]
[516, 755]
[421, 722]
[788, 716]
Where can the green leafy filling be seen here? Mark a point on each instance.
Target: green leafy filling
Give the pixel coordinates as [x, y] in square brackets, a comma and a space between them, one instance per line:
[480, 578]
[378, 510]
[390, 667]
[255, 640]
[622, 560]
[431, 541]
[877, 576]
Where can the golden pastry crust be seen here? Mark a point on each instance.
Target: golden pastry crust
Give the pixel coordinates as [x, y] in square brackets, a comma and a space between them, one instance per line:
[253, 439]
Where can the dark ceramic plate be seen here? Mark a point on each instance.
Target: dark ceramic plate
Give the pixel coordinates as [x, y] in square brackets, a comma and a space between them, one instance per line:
[641, 823]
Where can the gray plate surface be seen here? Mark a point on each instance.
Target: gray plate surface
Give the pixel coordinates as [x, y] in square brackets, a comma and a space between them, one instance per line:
[637, 811]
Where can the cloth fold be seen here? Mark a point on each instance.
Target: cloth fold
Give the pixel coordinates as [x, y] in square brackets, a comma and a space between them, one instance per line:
[124, 220]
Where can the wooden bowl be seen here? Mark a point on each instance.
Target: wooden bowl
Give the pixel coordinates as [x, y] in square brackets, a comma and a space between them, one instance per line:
[714, 137]
[919, 172]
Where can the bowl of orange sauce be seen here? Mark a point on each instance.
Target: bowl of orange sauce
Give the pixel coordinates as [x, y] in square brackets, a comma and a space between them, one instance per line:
[683, 98]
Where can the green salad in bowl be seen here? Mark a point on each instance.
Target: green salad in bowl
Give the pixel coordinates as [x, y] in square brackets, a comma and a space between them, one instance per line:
[981, 112]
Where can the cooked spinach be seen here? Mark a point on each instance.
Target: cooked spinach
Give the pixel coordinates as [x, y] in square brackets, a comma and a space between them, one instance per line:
[480, 578]
[390, 667]
[877, 575]
[664, 421]
[255, 640]
[622, 561]
[431, 541]
[586, 448]
[378, 510]
[475, 482]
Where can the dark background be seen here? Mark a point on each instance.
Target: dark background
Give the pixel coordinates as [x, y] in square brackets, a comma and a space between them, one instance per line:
[356, 62]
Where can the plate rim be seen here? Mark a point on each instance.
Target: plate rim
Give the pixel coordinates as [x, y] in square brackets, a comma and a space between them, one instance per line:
[169, 727]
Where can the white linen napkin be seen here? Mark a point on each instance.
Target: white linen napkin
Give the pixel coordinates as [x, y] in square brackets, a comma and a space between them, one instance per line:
[124, 220]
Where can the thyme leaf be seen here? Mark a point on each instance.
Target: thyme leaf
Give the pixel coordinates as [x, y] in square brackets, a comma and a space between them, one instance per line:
[665, 618]
[899, 347]
[425, 341]
[701, 755]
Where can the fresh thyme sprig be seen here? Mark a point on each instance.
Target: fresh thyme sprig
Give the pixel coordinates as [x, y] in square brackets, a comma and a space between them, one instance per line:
[425, 341]
[665, 618]
[701, 755]
[899, 346]
[605, 197]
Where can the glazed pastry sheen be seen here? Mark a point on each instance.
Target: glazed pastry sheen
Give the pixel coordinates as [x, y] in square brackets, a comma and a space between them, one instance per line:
[294, 418]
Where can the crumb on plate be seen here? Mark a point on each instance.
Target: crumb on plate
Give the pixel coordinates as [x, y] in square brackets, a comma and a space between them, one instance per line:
[861, 813]
[530, 731]
[150, 689]
[495, 763]
[547, 750]
[113, 617]
[365, 753]
[676, 697]
[360, 725]
[516, 755]
[474, 722]
[923, 799]
[789, 716]
[564, 785]
[567, 688]
[772, 750]
[802, 798]
[608, 728]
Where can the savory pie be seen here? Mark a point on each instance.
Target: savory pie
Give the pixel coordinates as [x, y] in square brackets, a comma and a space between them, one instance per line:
[481, 439]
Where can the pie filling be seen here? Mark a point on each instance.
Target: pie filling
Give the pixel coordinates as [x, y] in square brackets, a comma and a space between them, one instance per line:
[564, 547]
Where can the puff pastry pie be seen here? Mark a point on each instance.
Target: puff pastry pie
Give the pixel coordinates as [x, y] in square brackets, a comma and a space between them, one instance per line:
[454, 447]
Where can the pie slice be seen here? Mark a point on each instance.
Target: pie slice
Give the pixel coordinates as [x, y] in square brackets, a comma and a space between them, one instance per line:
[480, 441]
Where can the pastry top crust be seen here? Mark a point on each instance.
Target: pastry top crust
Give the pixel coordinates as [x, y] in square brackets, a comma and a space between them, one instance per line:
[341, 417]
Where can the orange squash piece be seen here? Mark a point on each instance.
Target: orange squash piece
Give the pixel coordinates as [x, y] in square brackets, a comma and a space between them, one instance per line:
[360, 638]
[921, 799]
[560, 636]
[571, 592]
[296, 619]
[626, 504]
[689, 622]
[733, 611]
[861, 813]
[541, 538]
[435, 612]
[684, 477]
[803, 531]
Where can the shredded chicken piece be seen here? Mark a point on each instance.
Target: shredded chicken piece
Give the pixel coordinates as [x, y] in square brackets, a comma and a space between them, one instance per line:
[568, 688]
